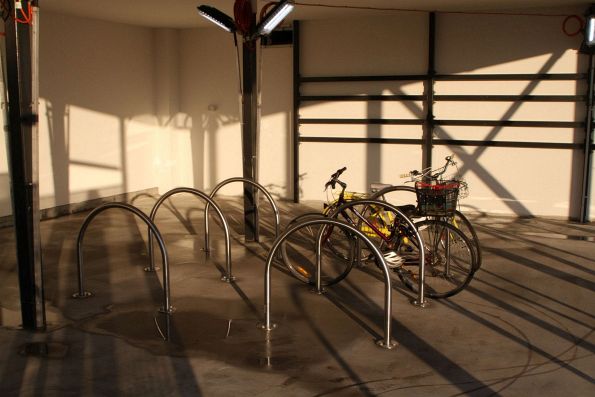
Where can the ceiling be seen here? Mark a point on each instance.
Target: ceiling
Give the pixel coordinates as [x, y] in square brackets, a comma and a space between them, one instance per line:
[182, 13]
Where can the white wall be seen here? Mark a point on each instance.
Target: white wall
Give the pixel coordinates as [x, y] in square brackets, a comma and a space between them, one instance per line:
[126, 108]
[513, 180]
[209, 95]
[102, 129]
[389, 45]
[502, 180]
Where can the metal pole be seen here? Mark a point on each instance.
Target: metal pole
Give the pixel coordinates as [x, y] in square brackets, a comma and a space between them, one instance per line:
[588, 152]
[228, 277]
[386, 342]
[296, 112]
[429, 124]
[246, 181]
[22, 88]
[250, 136]
[167, 309]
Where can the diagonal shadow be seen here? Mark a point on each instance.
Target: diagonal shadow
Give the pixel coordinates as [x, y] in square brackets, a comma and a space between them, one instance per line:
[407, 338]
[512, 236]
[540, 267]
[521, 341]
[530, 303]
[470, 161]
[364, 390]
[529, 317]
[541, 295]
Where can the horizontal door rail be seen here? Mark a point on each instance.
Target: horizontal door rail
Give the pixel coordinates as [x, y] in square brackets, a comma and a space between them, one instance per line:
[402, 141]
[510, 77]
[445, 142]
[437, 98]
[447, 77]
[512, 98]
[511, 123]
[529, 145]
[363, 121]
[332, 79]
[400, 97]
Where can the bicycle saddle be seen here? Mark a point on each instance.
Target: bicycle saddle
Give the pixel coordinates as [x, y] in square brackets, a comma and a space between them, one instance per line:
[407, 209]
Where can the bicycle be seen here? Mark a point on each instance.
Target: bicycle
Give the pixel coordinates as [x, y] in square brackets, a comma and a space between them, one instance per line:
[339, 247]
[449, 258]
[404, 196]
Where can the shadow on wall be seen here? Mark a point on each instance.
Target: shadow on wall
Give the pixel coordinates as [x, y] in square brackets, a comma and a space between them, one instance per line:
[99, 128]
[209, 95]
[475, 44]
[86, 107]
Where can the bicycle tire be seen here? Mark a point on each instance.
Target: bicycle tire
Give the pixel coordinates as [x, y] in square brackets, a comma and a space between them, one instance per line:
[336, 248]
[455, 256]
[353, 220]
[469, 231]
[298, 255]
[409, 197]
[405, 200]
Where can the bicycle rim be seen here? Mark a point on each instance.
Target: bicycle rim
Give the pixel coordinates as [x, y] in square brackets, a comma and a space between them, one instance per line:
[461, 222]
[299, 253]
[450, 260]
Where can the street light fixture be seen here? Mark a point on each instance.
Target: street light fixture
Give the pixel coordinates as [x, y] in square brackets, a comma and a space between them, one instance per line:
[274, 18]
[219, 18]
[589, 41]
[249, 90]
[264, 27]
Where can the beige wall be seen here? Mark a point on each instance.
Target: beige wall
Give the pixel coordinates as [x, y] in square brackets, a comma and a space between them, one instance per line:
[108, 111]
[126, 108]
[502, 180]
[209, 95]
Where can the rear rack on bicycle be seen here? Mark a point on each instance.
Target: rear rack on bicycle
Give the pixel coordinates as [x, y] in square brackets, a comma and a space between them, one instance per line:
[437, 198]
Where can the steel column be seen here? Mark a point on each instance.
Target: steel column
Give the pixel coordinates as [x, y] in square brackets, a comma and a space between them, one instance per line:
[250, 137]
[296, 112]
[22, 88]
[429, 123]
[588, 150]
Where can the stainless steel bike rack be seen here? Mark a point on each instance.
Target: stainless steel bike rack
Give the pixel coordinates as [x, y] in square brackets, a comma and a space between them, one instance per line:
[251, 182]
[167, 308]
[386, 343]
[420, 301]
[209, 201]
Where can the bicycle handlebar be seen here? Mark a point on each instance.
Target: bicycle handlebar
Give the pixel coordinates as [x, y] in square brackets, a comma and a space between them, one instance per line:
[427, 172]
[335, 179]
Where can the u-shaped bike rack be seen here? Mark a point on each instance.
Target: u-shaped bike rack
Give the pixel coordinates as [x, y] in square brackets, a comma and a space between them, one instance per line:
[386, 343]
[251, 182]
[209, 201]
[421, 300]
[166, 309]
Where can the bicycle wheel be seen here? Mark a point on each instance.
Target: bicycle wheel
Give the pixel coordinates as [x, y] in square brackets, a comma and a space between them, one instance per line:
[449, 260]
[299, 252]
[402, 196]
[461, 222]
[374, 222]
[378, 224]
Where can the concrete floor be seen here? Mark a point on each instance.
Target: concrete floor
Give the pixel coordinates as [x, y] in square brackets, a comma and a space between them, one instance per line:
[523, 327]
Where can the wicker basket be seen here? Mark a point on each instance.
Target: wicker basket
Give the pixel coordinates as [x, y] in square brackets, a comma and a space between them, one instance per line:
[437, 198]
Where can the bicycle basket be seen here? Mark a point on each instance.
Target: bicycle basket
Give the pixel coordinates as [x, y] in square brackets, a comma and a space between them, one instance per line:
[437, 198]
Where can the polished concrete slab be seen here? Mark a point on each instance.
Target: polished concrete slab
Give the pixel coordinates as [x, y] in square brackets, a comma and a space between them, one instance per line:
[524, 326]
